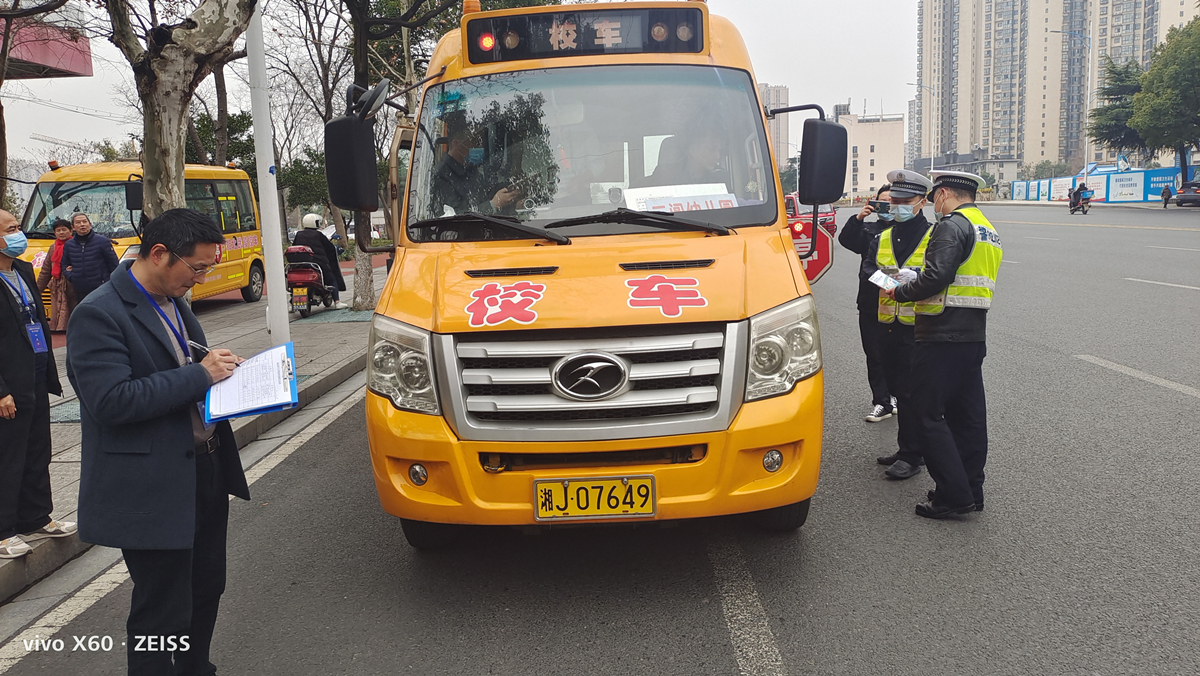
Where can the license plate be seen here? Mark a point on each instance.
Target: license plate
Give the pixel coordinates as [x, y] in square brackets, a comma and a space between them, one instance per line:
[602, 498]
[299, 299]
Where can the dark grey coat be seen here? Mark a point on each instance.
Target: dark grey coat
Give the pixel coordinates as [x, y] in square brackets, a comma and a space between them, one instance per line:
[137, 485]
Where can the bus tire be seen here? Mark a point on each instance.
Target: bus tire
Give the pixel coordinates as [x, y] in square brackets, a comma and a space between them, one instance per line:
[252, 292]
[785, 518]
[426, 536]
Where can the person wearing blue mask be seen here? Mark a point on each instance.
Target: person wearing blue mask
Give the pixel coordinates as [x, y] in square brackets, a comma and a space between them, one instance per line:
[899, 252]
[857, 235]
[28, 376]
[458, 182]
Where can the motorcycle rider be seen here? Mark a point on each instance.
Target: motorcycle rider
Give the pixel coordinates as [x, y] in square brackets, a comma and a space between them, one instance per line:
[324, 254]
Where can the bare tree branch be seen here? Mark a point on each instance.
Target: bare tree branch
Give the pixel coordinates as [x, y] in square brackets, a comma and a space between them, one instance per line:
[33, 10]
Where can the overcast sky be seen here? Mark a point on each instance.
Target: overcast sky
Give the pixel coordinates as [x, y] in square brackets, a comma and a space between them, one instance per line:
[825, 52]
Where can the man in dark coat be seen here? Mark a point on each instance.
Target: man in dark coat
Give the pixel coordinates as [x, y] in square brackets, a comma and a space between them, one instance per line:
[155, 478]
[88, 258]
[27, 377]
[324, 254]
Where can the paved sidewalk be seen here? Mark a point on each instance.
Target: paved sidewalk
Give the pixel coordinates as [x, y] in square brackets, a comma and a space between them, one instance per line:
[330, 348]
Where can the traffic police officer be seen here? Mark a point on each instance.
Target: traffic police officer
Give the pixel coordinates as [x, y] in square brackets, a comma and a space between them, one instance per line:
[952, 295]
[899, 251]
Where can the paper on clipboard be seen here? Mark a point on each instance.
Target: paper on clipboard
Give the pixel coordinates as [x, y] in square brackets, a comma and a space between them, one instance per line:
[263, 382]
[882, 281]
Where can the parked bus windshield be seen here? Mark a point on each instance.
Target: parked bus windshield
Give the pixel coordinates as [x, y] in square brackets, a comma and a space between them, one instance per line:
[103, 202]
[560, 143]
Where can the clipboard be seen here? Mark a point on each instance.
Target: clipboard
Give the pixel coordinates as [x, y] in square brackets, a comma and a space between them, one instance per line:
[255, 387]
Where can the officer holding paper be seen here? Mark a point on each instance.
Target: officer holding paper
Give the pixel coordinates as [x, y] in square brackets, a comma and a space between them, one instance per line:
[951, 297]
[899, 252]
[155, 479]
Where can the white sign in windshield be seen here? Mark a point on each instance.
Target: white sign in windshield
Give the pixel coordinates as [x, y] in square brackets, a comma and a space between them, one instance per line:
[659, 198]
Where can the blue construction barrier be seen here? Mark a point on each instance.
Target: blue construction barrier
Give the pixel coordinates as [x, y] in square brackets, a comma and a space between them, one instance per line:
[1144, 185]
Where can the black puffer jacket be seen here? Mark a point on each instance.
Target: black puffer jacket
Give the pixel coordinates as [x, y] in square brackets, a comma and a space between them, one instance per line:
[324, 255]
[857, 236]
[91, 258]
[950, 245]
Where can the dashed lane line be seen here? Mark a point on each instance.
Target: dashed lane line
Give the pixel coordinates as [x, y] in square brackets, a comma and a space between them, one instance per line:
[1048, 239]
[73, 606]
[1102, 225]
[1140, 375]
[1172, 248]
[1150, 281]
[750, 631]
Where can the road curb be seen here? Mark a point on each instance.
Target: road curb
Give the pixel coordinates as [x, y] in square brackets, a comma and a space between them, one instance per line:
[1094, 205]
[17, 575]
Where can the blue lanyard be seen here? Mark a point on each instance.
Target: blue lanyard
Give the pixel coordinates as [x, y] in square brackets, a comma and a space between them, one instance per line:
[183, 345]
[26, 302]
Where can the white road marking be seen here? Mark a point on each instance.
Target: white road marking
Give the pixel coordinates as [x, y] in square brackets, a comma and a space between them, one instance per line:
[1005, 260]
[1172, 248]
[45, 628]
[1147, 281]
[1051, 239]
[749, 629]
[1141, 375]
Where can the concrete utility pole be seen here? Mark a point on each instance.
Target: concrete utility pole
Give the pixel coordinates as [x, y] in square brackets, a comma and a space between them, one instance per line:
[268, 196]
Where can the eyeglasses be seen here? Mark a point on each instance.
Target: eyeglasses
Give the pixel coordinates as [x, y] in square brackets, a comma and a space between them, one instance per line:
[195, 272]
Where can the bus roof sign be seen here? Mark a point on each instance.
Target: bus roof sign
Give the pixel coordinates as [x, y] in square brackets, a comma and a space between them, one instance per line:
[514, 37]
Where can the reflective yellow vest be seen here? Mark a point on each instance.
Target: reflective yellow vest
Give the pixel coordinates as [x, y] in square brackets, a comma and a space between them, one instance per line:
[975, 279]
[885, 260]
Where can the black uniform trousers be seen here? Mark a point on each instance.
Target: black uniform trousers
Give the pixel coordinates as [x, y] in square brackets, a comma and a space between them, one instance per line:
[895, 350]
[871, 332]
[951, 417]
[176, 592]
[25, 497]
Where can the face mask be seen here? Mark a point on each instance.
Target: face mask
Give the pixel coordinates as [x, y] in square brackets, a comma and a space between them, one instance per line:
[936, 211]
[903, 212]
[475, 156]
[886, 217]
[14, 244]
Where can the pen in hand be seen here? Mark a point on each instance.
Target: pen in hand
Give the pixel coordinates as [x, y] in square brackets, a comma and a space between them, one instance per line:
[197, 346]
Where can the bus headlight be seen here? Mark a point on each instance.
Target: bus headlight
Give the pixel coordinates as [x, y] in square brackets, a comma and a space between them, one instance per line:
[785, 348]
[400, 365]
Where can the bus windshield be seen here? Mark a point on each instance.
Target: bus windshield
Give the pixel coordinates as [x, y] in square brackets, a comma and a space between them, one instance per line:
[552, 144]
[103, 202]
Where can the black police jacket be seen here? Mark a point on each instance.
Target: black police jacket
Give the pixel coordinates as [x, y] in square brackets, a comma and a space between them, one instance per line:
[950, 245]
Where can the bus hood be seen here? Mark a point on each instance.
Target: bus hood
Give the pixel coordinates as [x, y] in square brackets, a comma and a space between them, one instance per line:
[595, 281]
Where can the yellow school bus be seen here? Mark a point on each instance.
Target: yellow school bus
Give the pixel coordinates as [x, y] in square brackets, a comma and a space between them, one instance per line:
[100, 190]
[596, 313]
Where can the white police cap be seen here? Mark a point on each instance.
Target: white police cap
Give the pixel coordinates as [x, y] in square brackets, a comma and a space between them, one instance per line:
[956, 179]
[906, 183]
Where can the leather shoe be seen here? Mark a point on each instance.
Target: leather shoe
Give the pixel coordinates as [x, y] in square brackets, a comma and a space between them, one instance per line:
[934, 510]
[902, 469]
[887, 460]
[978, 503]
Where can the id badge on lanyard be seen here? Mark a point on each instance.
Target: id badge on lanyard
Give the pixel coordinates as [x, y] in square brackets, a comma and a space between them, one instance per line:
[37, 337]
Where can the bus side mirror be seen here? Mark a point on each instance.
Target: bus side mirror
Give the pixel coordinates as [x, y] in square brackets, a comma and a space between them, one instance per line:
[350, 167]
[133, 196]
[822, 174]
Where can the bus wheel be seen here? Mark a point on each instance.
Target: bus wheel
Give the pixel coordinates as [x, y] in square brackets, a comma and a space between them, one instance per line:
[785, 518]
[252, 292]
[425, 535]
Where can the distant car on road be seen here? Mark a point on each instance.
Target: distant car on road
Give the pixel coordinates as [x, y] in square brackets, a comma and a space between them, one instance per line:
[796, 212]
[1189, 193]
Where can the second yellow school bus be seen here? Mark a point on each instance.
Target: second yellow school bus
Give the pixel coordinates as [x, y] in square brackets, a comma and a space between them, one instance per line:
[98, 189]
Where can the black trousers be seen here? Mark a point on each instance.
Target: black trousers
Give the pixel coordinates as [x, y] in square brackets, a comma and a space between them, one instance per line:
[25, 498]
[871, 332]
[176, 592]
[951, 417]
[895, 350]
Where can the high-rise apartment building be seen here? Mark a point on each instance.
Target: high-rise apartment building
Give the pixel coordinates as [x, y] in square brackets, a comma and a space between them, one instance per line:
[776, 96]
[1015, 79]
[912, 147]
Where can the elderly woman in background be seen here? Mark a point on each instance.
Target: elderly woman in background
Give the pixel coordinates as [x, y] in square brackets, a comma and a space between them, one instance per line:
[62, 296]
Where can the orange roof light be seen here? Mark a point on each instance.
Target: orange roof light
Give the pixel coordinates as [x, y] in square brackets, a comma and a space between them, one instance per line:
[53, 165]
[471, 7]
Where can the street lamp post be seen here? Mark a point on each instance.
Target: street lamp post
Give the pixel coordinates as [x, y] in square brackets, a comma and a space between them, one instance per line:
[1087, 44]
[937, 114]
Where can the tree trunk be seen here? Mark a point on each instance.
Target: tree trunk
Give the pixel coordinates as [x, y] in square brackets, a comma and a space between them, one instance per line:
[165, 101]
[339, 225]
[4, 158]
[364, 279]
[194, 137]
[221, 124]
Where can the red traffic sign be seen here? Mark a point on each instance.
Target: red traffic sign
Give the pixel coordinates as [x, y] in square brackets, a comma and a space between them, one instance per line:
[822, 255]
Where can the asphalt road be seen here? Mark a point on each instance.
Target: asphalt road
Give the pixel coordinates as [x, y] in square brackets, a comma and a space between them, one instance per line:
[1085, 561]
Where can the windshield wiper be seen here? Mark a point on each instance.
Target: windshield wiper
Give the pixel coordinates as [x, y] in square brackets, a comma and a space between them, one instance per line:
[506, 222]
[650, 218]
[40, 235]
